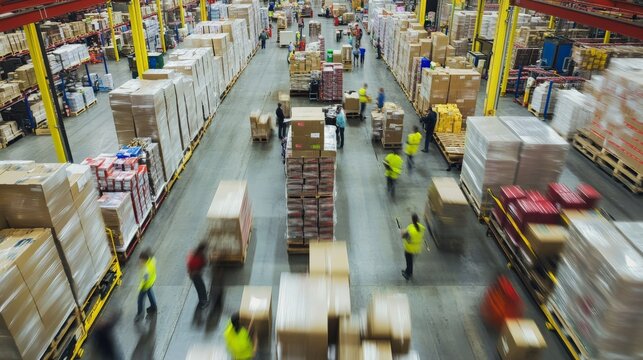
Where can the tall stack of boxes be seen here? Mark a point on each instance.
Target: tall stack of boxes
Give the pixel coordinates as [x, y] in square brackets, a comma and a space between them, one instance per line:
[332, 84]
[310, 173]
[260, 125]
[301, 67]
[444, 207]
[393, 126]
[449, 119]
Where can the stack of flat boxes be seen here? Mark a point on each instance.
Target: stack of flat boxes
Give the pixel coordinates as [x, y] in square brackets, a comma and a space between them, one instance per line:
[40, 195]
[260, 125]
[310, 171]
[303, 63]
[148, 154]
[118, 213]
[12, 43]
[463, 90]
[222, 45]
[229, 221]
[439, 47]
[393, 126]
[72, 54]
[332, 86]
[246, 13]
[207, 73]
[8, 131]
[435, 87]
[24, 76]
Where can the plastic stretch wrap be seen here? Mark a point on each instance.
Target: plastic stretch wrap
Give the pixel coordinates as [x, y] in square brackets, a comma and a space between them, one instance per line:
[542, 153]
[573, 111]
[229, 219]
[118, 214]
[76, 258]
[121, 103]
[302, 317]
[539, 98]
[633, 232]
[35, 296]
[490, 157]
[600, 289]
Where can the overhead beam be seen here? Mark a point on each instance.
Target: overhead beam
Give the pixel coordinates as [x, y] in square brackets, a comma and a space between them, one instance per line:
[592, 19]
[16, 19]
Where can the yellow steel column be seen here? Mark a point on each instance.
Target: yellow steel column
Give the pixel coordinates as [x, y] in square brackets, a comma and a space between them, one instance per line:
[182, 13]
[496, 61]
[139, 46]
[110, 19]
[45, 93]
[476, 30]
[141, 33]
[606, 39]
[160, 13]
[421, 12]
[552, 22]
[204, 11]
[510, 50]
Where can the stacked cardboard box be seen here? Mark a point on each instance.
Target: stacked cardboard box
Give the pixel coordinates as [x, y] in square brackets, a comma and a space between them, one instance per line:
[34, 302]
[25, 76]
[389, 318]
[449, 118]
[439, 47]
[589, 58]
[301, 66]
[148, 154]
[464, 86]
[574, 111]
[12, 43]
[71, 54]
[520, 339]
[40, 195]
[351, 102]
[256, 309]
[444, 208]
[229, 221]
[314, 29]
[260, 125]
[284, 99]
[8, 131]
[118, 214]
[393, 126]
[602, 317]
[332, 84]
[543, 99]
[9, 91]
[435, 86]
[377, 124]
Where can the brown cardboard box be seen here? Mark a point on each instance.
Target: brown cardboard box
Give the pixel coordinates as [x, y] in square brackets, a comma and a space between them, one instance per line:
[546, 240]
[425, 47]
[284, 99]
[435, 86]
[159, 74]
[389, 318]
[376, 350]
[349, 343]
[439, 47]
[339, 304]
[256, 307]
[329, 258]
[520, 339]
[351, 102]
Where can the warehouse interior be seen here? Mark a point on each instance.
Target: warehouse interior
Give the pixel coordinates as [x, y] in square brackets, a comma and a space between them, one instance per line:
[447, 288]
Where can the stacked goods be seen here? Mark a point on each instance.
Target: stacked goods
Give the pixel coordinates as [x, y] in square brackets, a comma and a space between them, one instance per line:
[229, 221]
[598, 289]
[490, 157]
[540, 98]
[464, 85]
[8, 131]
[301, 66]
[314, 29]
[348, 17]
[377, 124]
[444, 208]
[524, 56]
[71, 54]
[435, 87]
[284, 99]
[75, 101]
[589, 58]
[40, 195]
[530, 38]
[302, 317]
[88, 95]
[439, 47]
[458, 62]
[347, 55]
[339, 9]
[574, 111]
[35, 303]
[12, 43]
[449, 118]
[24, 76]
[218, 11]
[332, 84]
[118, 214]
[520, 339]
[148, 154]
[393, 126]
[260, 125]
[9, 91]
[389, 318]
[351, 102]
[542, 152]
[488, 25]
[617, 124]
[212, 71]
[256, 309]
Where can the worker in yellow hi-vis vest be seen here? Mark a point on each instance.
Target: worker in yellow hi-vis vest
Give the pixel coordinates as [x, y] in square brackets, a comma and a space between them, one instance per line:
[393, 164]
[148, 278]
[240, 345]
[413, 238]
[413, 141]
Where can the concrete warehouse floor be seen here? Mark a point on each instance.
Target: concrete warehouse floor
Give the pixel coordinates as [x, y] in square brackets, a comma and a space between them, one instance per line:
[447, 288]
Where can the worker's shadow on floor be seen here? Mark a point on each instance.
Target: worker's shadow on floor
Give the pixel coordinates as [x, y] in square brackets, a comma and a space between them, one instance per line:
[210, 315]
[144, 349]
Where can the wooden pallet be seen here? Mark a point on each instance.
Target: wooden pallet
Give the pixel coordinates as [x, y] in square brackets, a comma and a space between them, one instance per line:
[76, 113]
[481, 213]
[451, 147]
[15, 138]
[65, 343]
[297, 247]
[585, 145]
[557, 323]
[92, 103]
[536, 113]
[299, 92]
[391, 145]
[100, 293]
[260, 138]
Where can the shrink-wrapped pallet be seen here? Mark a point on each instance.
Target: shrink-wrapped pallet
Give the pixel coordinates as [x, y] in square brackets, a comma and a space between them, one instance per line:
[542, 152]
[599, 287]
[229, 221]
[118, 214]
[35, 296]
[490, 157]
[573, 111]
[121, 104]
[444, 208]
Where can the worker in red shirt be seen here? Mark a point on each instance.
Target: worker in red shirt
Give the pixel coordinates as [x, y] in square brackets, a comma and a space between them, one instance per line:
[196, 262]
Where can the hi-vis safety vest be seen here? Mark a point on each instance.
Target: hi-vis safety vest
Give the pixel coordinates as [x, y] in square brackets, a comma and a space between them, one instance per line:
[239, 343]
[394, 162]
[413, 244]
[148, 276]
[412, 143]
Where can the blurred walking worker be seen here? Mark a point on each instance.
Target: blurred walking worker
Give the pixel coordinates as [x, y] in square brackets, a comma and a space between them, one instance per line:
[362, 55]
[238, 340]
[363, 99]
[281, 122]
[428, 123]
[412, 238]
[393, 164]
[196, 262]
[355, 56]
[340, 121]
[380, 99]
[105, 340]
[379, 48]
[413, 141]
[148, 278]
[263, 37]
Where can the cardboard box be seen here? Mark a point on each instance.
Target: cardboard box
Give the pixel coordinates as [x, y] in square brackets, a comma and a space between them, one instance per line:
[329, 258]
[229, 221]
[351, 102]
[545, 239]
[284, 99]
[339, 304]
[439, 47]
[520, 339]
[349, 343]
[376, 350]
[256, 307]
[389, 318]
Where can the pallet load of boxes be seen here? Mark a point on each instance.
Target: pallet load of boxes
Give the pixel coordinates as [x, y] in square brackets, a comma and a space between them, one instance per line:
[388, 125]
[54, 252]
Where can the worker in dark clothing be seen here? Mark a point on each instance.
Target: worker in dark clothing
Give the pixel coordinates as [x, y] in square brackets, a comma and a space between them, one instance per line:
[428, 123]
[281, 122]
[379, 48]
[104, 339]
[196, 262]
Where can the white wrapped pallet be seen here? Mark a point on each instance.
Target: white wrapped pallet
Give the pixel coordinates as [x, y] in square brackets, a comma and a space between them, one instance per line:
[599, 287]
[539, 99]
[490, 156]
[229, 221]
[574, 111]
[542, 153]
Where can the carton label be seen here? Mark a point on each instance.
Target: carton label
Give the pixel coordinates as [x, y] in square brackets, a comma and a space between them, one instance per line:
[315, 135]
[257, 304]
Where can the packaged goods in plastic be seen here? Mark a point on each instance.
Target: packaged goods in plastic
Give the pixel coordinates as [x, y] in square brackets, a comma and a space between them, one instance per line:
[574, 110]
[36, 298]
[490, 158]
[121, 104]
[389, 318]
[118, 214]
[445, 206]
[302, 317]
[542, 152]
[633, 232]
[229, 221]
[599, 287]
[520, 339]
